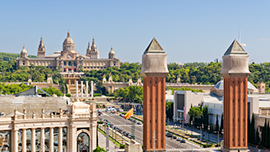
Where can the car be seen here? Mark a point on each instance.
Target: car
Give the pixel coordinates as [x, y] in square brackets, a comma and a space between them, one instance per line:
[183, 141]
[106, 120]
[101, 119]
[115, 127]
[178, 139]
[113, 112]
[169, 134]
[101, 112]
[117, 109]
[111, 125]
[124, 132]
[139, 123]
[132, 137]
[174, 137]
[120, 130]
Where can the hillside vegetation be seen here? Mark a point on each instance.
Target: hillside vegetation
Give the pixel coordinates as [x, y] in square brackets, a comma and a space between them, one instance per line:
[12, 56]
[196, 72]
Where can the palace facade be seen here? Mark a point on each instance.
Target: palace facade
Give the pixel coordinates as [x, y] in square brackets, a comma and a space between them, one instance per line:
[68, 60]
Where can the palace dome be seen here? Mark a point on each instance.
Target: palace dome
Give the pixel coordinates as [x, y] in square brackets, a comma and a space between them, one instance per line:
[68, 40]
[23, 50]
[111, 52]
[220, 85]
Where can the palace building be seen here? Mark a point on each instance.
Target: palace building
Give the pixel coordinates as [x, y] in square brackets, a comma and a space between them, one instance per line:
[68, 60]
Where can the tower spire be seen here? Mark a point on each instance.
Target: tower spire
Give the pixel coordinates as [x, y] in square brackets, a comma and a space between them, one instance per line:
[239, 35]
[68, 34]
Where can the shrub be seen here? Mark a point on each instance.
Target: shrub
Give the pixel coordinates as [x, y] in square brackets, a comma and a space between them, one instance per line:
[122, 146]
[99, 149]
[103, 106]
[100, 122]
[68, 95]
[97, 94]
[208, 145]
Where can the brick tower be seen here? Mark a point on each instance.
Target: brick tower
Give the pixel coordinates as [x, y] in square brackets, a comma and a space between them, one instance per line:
[154, 70]
[235, 72]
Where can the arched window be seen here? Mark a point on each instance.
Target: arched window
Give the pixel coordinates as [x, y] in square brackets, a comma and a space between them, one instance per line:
[83, 142]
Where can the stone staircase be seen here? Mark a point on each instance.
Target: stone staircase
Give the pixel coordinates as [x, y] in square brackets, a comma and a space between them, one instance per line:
[72, 89]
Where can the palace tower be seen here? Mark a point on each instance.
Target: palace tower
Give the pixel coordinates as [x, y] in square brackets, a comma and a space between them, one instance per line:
[154, 70]
[235, 72]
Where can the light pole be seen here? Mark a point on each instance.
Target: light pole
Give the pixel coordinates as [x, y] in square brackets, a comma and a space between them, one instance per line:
[154, 141]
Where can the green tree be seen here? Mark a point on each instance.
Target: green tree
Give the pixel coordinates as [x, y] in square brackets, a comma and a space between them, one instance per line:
[257, 139]
[252, 129]
[264, 131]
[205, 117]
[169, 110]
[53, 90]
[217, 124]
[221, 124]
[195, 112]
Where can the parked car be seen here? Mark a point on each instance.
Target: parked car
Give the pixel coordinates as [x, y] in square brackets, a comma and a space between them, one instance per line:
[183, 141]
[174, 137]
[139, 123]
[169, 134]
[117, 109]
[111, 125]
[178, 139]
[126, 134]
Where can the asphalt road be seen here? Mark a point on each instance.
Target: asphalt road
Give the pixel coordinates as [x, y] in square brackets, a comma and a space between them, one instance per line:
[126, 125]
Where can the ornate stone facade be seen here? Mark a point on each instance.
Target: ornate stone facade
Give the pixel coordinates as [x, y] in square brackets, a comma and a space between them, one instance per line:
[70, 129]
[68, 60]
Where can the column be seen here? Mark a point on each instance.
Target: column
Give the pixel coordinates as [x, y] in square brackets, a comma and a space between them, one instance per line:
[23, 140]
[33, 140]
[51, 139]
[69, 81]
[93, 144]
[42, 148]
[86, 90]
[60, 137]
[92, 89]
[14, 141]
[77, 89]
[81, 88]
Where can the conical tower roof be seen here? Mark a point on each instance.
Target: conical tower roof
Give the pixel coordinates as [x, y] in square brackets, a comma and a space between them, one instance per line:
[235, 48]
[154, 47]
[41, 42]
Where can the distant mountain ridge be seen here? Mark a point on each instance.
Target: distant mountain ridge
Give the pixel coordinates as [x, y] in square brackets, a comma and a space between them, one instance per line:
[12, 56]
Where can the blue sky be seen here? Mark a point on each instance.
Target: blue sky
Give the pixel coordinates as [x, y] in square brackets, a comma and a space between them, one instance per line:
[188, 31]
